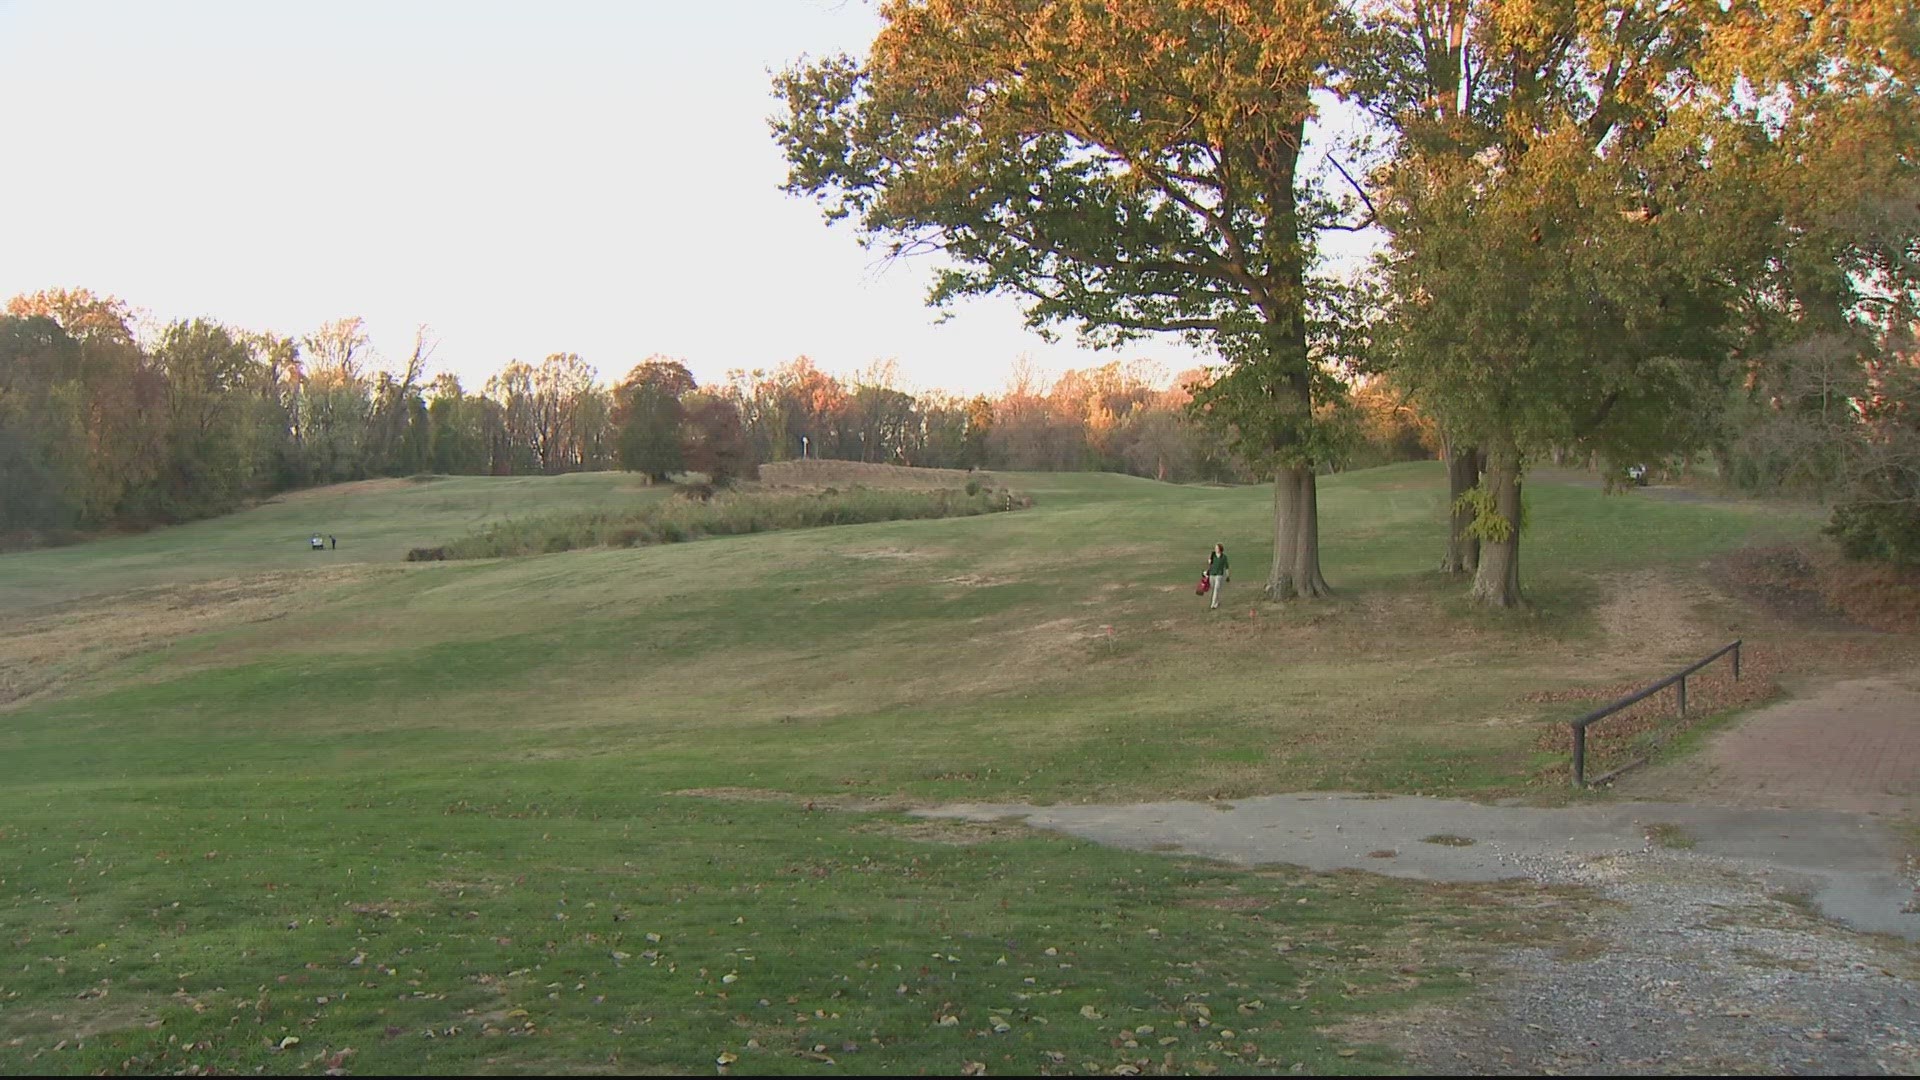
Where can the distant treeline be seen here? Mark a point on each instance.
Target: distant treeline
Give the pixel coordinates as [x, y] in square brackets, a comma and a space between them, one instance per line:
[102, 429]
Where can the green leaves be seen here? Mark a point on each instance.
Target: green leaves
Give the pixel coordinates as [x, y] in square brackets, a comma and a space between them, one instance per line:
[1122, 171]
[1488, 523]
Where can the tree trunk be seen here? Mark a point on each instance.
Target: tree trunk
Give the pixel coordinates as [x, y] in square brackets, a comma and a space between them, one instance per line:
[1296, 537]
[1497, 582]
[1463, 474]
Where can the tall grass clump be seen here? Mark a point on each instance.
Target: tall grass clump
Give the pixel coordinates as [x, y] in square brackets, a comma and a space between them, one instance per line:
[728, 513]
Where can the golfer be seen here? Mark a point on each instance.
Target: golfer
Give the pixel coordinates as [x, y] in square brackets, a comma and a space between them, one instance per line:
[1217, 572]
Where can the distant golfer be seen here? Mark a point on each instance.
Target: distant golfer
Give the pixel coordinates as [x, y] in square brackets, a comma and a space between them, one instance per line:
[1217, 572]
[331, 542]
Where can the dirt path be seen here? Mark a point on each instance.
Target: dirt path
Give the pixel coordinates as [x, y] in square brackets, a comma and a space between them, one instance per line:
[1681, 493]
[1717, 953]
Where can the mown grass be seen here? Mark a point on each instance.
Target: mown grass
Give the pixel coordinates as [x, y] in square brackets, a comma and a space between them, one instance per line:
[443, 794]
[373, 521]
[726, 513]
[519, 921]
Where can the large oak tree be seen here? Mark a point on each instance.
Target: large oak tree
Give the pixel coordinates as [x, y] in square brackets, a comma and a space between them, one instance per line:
[1123, 169]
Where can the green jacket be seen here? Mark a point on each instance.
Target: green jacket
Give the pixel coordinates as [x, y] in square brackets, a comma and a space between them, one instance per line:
[1217, 565]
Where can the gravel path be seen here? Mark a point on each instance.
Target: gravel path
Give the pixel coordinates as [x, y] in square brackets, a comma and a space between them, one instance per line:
[1724, 956]
[1700, 969]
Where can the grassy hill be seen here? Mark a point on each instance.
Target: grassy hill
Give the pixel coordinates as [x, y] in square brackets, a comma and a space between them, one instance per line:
[374, 521]
[435, 816]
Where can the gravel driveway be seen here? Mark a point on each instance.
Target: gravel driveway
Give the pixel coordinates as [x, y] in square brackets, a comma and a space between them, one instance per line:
[1770, 940]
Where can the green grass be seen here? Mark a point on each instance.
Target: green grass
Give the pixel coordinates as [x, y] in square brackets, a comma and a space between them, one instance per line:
[529, 927]
[374, 521]
[442, 796]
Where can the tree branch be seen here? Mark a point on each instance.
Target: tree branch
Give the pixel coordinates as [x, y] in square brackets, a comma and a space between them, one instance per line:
[1373, 214]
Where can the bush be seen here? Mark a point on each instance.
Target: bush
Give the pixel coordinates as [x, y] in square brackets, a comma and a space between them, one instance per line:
[1878, 531]
[723, 514]
[433, 554]
[973, 487]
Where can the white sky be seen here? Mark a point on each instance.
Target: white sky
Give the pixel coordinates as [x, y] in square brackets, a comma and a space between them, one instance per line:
[526, 179]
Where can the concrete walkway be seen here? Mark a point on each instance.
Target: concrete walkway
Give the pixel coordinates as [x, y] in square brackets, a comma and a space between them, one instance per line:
[1852, 866]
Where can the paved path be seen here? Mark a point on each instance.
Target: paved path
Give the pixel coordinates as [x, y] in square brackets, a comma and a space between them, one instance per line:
[1702, 962]
[1850, 865]
[1693, 961]
[1853, 746]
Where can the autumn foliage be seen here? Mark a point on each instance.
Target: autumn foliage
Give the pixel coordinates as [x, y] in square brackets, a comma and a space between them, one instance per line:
[99, 429]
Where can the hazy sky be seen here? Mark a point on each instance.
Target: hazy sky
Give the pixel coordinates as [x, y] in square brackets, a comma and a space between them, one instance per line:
[524, 178]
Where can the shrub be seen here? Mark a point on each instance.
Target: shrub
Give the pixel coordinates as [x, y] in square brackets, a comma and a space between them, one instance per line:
[722, 514]
[1887, 532]
[432, 554]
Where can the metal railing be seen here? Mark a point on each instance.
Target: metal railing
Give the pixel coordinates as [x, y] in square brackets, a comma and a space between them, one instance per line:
[1678, 679]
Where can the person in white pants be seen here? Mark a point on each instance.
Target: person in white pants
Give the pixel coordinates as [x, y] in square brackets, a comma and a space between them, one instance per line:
[1217, 573]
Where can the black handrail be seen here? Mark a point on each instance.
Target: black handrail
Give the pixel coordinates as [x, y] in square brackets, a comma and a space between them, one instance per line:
[1680, 678]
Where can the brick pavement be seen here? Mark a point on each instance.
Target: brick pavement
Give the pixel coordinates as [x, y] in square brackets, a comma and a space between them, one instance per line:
[1853, 746]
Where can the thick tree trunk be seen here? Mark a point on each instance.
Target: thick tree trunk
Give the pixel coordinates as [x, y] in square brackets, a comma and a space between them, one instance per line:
[1497, 582]
[1296, 537]
[1463, 474]
[1307, 578]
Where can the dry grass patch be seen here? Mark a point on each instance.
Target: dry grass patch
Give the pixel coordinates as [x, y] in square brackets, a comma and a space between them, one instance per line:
[1668, 835]
[817, 473]
[1653, 614]
[1026, 645]
[945, 831]
[738, 794]
[346, 490]
[976, 581]
[454, 889]
[1230, 903]
[884, 553]
[805, 803]
[388, 909]
[47, 650]
[97, 1012]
